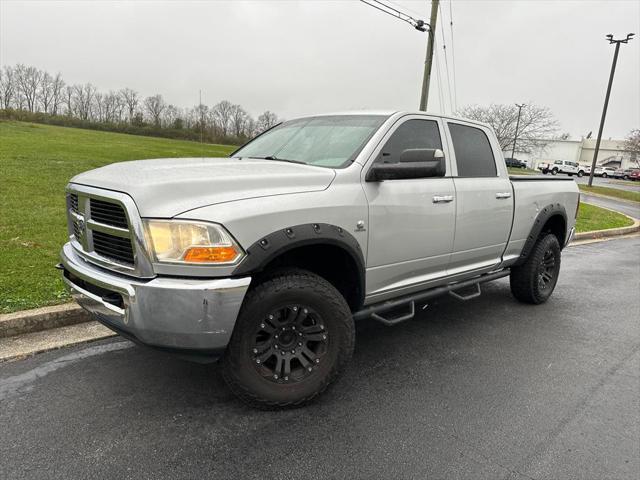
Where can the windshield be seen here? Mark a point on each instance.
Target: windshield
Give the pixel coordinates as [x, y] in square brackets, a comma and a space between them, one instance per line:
[328, 141]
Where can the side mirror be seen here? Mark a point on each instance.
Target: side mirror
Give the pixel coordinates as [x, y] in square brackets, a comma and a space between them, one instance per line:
[414, 163]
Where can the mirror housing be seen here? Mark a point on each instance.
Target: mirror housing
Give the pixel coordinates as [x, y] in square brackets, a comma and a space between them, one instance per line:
[414, 163]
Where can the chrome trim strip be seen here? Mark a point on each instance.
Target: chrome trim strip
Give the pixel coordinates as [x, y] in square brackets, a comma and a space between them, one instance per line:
[93, 297]
[110, 229]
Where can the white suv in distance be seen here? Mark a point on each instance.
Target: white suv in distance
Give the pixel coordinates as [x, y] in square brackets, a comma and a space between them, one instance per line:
[604, 172]
[564, 166]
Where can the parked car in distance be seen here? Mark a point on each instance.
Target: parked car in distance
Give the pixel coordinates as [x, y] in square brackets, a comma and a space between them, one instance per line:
[627, 173]
[265, 259]
[635, 175]
[515, 163]
[563, 166]
[604, 172]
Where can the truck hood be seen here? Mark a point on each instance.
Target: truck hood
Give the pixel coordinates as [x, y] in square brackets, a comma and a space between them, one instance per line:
[170, 186]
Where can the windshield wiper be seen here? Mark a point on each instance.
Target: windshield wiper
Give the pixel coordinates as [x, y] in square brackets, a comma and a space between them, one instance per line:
[273, 157]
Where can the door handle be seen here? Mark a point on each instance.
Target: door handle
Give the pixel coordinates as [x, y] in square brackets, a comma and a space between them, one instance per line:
[503, 195]
[442, 198]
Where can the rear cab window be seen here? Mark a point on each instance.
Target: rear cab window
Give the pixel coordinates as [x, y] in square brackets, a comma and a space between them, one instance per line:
[474, 155]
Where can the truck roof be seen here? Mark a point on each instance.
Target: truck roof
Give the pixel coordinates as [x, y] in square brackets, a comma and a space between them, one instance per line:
[396, 113]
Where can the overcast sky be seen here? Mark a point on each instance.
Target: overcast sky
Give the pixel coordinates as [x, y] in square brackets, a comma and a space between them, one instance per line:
[299, 57]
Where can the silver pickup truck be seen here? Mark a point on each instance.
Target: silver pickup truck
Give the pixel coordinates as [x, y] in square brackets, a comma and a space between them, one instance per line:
[265, 259]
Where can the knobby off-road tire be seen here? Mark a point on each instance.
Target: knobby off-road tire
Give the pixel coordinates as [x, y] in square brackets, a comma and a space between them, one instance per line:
[534, 280]
[293, 337]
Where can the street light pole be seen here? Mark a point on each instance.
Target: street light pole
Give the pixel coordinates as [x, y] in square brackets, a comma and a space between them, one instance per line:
[606, 99]
[515, 136]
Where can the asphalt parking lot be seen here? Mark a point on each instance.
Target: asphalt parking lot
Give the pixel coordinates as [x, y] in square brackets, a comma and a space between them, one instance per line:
[483, 389]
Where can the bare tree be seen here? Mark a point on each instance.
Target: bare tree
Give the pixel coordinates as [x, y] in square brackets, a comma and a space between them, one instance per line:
[68, 100]
[238, 120]
[155, 106]
[97, 107]
[83, 100]
[537, 124]
[28, 80]
[131, 100]
[222, 114]
[632, 145]
[57, 93]
[265, 121]
[46, 92]
[7, 86]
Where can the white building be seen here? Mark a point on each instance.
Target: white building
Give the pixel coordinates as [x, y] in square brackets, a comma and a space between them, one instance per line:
[611, 153]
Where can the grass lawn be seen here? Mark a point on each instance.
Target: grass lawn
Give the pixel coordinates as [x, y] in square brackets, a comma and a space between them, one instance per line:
[523, 171]
[591, 218]
[36, 162]
[611, 192]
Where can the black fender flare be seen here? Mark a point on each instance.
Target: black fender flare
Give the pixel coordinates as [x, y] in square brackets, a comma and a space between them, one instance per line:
[538, 224]
[271, 246]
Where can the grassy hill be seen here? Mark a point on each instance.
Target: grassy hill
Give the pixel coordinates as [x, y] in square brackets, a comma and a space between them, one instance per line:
[36, 162]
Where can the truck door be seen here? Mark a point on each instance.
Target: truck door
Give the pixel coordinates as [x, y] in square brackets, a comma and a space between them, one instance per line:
[484, 199]
[411, 221]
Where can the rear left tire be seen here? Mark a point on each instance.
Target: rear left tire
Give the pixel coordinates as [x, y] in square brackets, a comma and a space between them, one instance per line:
[534, 281]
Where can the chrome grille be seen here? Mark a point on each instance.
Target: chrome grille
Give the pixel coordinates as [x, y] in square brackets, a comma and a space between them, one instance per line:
[105, 229]
[108, 213]
[110, 246]
[73, 202]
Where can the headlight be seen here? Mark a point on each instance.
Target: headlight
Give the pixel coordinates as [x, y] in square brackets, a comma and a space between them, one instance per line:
[177, 241]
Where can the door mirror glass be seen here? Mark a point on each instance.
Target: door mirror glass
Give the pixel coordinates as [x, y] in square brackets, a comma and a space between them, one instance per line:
[421, 155]
[411, 165]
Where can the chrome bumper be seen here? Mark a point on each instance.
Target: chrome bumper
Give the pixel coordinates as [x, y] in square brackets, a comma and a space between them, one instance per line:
[171, 313]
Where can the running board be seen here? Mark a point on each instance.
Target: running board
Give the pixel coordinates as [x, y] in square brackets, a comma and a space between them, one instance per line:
[377, 310]
[476, 293]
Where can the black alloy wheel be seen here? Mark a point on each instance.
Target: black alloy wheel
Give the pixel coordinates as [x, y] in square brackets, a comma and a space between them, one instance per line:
[288, 344]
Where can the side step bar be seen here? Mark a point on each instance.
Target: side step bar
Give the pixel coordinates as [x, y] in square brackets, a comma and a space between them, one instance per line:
[377, 310]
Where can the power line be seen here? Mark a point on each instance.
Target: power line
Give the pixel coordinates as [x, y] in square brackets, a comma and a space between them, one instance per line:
[453, 56]
[446, 62]
[420, 25]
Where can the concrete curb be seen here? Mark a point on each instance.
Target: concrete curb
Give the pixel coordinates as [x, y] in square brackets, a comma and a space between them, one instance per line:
[45, 318]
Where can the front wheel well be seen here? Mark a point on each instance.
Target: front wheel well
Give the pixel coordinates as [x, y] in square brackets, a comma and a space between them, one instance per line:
[331, 262]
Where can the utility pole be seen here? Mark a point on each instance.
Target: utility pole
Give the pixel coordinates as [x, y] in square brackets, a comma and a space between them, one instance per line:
[515, 136]
[606, 99]
[428, 62]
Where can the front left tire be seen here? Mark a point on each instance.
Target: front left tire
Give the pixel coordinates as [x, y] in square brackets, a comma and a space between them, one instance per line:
[294, 336]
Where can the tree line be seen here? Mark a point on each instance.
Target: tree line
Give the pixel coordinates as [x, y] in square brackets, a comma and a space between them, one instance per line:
[30, 94]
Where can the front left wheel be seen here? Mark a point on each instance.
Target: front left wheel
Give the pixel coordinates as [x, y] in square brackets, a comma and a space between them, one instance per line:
[293, 337]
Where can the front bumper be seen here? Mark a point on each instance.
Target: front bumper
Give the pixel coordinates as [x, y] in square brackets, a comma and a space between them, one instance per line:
[170, 313]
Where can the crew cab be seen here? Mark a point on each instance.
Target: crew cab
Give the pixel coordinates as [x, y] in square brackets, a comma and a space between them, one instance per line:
[266, 258]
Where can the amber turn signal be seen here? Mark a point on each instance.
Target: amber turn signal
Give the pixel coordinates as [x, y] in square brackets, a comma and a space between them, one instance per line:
[211, 254]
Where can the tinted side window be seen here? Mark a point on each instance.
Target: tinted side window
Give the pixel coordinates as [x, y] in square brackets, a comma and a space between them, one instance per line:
[473, 152]
[411, 134]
